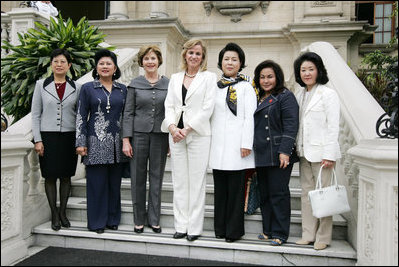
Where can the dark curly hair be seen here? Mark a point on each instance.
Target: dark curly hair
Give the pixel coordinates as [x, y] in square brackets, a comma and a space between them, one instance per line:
[106, 53]
[322, 77]
[232, 47]
[277, 71]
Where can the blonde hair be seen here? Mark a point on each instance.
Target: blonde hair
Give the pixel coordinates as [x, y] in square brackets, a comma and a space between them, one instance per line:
[190, 44]
[146, 49]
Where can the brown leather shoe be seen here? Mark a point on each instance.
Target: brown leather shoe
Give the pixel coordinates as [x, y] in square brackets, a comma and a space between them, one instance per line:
[319, 246]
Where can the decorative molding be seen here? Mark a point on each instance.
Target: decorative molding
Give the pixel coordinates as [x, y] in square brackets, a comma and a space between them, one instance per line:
[323, 3]
[8, 203]
[369, 227]
[351, 170]
[235, 9]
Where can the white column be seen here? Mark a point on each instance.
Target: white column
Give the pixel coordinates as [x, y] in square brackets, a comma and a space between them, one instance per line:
[158, 9]
[13, 154]
[377, 228]
[118, 10]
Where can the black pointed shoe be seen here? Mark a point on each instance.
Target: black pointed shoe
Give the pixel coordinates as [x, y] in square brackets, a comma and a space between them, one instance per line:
[192, 237]
[55, 222]
[178, 235]
[139, 230]
[65, 222]
[112, 227]
[156, 229]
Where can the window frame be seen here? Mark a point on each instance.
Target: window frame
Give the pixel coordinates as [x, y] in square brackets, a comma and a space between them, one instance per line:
[383, 3]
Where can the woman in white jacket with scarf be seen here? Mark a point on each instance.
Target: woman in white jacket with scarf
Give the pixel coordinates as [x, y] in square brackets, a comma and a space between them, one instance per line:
[232, 140]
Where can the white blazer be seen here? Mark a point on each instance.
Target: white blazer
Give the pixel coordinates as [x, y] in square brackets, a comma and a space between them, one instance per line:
[230, 133]
[200, 101]
[320, 123]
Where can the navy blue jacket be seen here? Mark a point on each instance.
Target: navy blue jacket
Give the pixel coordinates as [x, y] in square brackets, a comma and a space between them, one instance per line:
[97, 129]
[276, 127]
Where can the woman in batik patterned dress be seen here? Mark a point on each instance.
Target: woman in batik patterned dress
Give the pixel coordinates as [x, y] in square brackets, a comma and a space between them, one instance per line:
[98, 141]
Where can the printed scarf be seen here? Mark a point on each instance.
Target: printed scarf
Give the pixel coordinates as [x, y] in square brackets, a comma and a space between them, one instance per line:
[231, 96]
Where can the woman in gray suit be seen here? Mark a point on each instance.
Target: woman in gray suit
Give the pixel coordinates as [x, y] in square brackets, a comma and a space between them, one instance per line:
[54, 107]
[143, 140]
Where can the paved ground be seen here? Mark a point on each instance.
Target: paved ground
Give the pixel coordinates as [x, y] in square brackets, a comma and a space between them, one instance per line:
[54, 256]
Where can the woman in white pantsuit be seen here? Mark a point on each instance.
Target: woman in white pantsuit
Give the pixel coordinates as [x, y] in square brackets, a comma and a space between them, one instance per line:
[188, 107]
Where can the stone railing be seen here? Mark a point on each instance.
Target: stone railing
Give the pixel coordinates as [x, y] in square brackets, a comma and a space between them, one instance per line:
[24, 204]
[368, 167]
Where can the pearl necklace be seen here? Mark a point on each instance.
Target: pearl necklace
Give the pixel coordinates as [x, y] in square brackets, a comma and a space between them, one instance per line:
[190, 76]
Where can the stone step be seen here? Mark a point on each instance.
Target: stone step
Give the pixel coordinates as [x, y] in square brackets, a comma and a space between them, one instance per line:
[79, 190]
[253, 223]
[247, 250]
[294, 181]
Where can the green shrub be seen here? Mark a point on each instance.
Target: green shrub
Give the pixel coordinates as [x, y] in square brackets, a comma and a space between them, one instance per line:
[376, 74]
[30, 61]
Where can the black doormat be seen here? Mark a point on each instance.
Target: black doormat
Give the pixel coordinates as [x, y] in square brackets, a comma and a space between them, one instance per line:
[55, 256]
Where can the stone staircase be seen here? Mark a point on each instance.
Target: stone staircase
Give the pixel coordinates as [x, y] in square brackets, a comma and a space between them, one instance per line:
[247, 250]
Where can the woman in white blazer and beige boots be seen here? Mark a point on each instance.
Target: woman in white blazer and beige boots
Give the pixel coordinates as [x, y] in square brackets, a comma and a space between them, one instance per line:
[188, 107]
[317, 141]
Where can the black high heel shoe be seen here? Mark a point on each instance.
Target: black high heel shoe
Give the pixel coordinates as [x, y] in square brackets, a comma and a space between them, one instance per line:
[64, 221]
[156, 229]
[112, 227]
[139, 230]
[55, 222]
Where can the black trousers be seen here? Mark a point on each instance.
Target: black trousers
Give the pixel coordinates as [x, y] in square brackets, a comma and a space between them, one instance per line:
[229, 203]
[275, 200]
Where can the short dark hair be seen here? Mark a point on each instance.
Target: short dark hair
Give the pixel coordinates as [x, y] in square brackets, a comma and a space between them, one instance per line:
[60, 51]
[278, 71]
[106, 53]
[322, 77]
[232, 47]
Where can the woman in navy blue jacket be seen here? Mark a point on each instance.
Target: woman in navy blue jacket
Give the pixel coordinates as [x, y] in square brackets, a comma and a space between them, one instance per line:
[276, 127]
[98, 141]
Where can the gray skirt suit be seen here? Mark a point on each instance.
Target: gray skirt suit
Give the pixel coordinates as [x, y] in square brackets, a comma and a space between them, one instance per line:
[142, 119]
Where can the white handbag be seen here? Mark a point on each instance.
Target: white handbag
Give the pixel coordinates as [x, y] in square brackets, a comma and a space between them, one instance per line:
[330, 200]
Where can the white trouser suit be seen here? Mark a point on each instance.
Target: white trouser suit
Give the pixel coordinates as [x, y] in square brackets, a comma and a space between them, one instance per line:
[189, 160]
[190, 156]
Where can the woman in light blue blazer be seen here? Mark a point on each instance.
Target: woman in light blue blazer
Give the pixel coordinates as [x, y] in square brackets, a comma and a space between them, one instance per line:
[54, 107]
